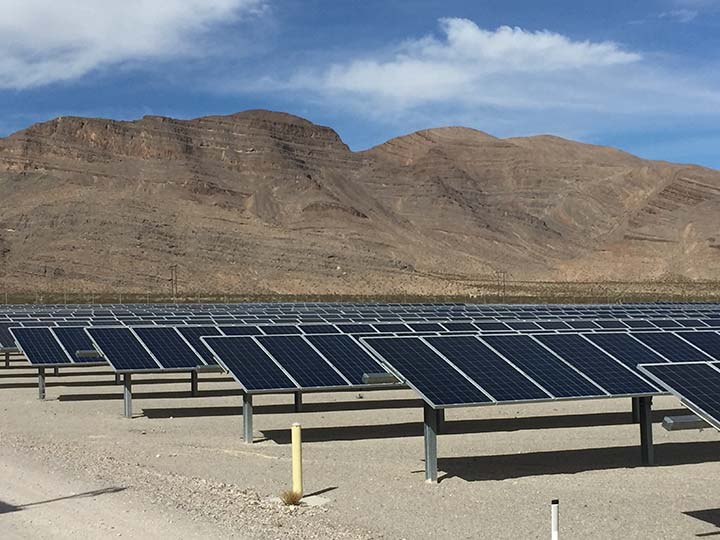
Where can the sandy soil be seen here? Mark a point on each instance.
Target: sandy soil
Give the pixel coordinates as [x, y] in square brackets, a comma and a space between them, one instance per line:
[72, 467]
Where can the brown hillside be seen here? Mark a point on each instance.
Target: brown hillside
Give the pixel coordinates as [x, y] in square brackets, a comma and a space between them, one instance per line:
[262, 202]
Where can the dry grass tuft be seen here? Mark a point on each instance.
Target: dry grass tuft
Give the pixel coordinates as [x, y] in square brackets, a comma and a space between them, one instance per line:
[290, 498]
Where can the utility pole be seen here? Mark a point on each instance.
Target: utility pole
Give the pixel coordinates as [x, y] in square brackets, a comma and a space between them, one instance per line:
[174, 282]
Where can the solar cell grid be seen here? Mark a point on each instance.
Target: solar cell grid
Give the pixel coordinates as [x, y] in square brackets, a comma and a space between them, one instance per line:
[347, 355]
[280, 329]
[301, 361]
[697, 384]
[122, 349]
[544, 367]
[626, 349]
[249, 364]
[670, 346]
[74, 339]
[40, 346]
[493, 374]
[168, 347]
[240, 330]
[428, 373]
[708, 342]
[613, 376]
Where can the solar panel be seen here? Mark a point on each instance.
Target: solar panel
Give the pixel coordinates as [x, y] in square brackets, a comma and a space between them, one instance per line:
[493, 374]
[626, 349]
[670, 346]
[319, 329]
[240, 330]
[522, 325]
[168, 347]
[301, 361]
[611, 375]
[426, 327]
[354, 328]
[459, 327]
[708, 342]
[193, 334]
[553, 325]
[40, 346]
[249, 364]
[610, 325]
[638, 323]
[392, 328]
[74, 339]
[347, 355]
[6, 338]
[582, 325]
[280, 329]
[121, 349]
[432, 377]
[665, 323]
[696, 384]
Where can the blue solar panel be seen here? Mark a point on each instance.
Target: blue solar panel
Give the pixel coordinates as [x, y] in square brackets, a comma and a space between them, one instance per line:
[665, 323]
[493, 374]
[522, 325]
[40, 346]
[626, 349]
[613, 376]
[714, 323]
[670, 346]
[426, 327]
[459, 327]
[582, 325]
[691, 323]
[249, 364]
[354, 328]
[280, 329]
[544, 367]
[193, 334]
[122, 349]
[708, 342]
[698, 385]
[301, 361]
[610, 325]
[553, 325]
[392, 328]
[240, 330]
[319, 329]
[168, 347]
[347, 355]
[6, 338]
[439, 382]
[638, 323]
[74, 339]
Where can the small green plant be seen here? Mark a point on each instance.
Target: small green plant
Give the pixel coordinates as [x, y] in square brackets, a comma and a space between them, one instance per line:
[290, 498]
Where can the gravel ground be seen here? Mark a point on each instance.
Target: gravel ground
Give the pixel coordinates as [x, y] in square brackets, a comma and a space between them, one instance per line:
[72, 467]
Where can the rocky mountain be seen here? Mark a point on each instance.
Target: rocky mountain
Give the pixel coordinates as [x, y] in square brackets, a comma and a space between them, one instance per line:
[261, 202]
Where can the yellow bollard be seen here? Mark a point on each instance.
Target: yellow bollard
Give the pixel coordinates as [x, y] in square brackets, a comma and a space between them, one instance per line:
[297, 459]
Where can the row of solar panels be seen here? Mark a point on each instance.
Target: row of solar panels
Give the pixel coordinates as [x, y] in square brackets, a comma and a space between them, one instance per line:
[7, 340]
[444, 370]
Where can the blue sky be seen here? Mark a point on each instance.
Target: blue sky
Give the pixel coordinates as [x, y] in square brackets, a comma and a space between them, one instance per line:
[643, 76]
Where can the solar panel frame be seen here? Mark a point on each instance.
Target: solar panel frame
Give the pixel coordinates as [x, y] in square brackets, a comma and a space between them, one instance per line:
[31, 348]
[104, 351]
[653, 372]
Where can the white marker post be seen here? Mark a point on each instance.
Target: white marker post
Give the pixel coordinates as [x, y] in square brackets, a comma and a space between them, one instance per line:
[555, 519]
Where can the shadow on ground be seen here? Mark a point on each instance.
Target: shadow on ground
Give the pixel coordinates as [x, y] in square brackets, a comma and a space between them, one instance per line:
[502, 467]
[7, 508]
[711, 516]
[459, 427]
[281, 408]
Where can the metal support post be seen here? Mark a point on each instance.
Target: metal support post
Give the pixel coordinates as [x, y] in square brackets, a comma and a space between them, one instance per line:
[247, 419]
[441, 421]
[194, 383]
[56, 372]
[7, 359]
[430, 417]
[646, 438]
[127, 395]
[555, 519]
[117, 378]
[298, 401]
[635, 410]
[41, 383]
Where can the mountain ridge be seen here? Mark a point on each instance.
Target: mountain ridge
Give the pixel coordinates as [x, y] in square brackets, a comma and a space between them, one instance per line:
[266, 202]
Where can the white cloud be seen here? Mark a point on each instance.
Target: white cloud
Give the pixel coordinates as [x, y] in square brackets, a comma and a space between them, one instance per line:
[681, 15]
[469, 72]
[45, 41]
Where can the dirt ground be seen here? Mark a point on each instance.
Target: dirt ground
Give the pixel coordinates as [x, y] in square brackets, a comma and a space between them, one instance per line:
[73, 467]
